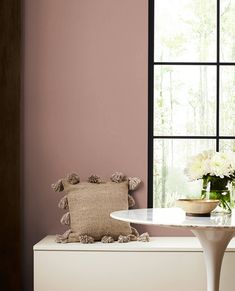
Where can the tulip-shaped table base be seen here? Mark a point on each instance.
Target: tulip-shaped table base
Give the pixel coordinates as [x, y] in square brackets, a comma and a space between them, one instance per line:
[214, 243]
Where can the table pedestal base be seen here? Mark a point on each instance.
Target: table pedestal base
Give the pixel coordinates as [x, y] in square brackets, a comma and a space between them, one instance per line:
[214, 244]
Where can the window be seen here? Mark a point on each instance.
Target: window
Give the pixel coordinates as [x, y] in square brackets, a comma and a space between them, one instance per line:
[191, 90]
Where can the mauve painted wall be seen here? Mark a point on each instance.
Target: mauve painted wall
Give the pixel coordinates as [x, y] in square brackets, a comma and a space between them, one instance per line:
[84, 104]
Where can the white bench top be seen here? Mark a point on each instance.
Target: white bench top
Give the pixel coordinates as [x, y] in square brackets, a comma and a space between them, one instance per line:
[156, 244]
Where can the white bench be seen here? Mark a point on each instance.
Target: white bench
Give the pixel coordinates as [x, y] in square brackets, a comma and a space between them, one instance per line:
[163, 264]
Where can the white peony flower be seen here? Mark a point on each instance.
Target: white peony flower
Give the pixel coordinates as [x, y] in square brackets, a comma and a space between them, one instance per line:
[206, 155]
[220, 165]
[198, 166]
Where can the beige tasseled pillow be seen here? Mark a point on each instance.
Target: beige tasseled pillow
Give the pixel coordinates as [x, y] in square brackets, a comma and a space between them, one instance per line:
[90, 206]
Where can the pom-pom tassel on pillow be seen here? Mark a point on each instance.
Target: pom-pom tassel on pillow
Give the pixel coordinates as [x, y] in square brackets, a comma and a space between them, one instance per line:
[63, 238]
[86, 239]
[94, 179]
[75, 237]
[58, 186]
[133, 183]
[117, 177]
[144, 237]
[63, 204]
[73, 178]
[124, 238]
[132, 237]
[134, 231]
[107, 239]
[131, 201]
[65, 220]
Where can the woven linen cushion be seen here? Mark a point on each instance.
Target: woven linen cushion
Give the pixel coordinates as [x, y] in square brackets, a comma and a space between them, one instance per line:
[90, 206]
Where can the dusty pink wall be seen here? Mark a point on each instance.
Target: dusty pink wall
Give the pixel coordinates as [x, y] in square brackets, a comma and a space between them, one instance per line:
[84, 103]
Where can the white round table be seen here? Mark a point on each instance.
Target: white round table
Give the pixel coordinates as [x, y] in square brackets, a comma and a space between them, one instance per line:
[214, 233]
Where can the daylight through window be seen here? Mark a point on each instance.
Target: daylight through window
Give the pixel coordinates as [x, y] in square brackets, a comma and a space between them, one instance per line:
[191, 90]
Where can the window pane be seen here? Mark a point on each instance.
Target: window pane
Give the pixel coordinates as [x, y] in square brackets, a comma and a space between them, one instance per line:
[184, 100]
[227, 145]
[170, 159]
[227, 28]
[185, 30]
[227, 101]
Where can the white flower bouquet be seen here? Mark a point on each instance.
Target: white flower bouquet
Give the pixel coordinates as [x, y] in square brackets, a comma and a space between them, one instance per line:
[217, 170]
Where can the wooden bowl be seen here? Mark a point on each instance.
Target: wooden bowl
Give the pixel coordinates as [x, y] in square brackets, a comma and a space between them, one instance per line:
[197, 207]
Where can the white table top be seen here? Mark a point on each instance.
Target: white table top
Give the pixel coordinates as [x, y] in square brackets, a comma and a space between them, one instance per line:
[175, 217]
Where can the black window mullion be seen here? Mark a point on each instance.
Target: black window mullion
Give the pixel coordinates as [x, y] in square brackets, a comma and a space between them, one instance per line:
[184, 137]
[186, 63]
[218, 76]
[150, 101]
[192, 137]
[194, 63]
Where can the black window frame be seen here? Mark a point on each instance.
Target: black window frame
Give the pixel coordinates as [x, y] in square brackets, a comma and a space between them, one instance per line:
[151, 65]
